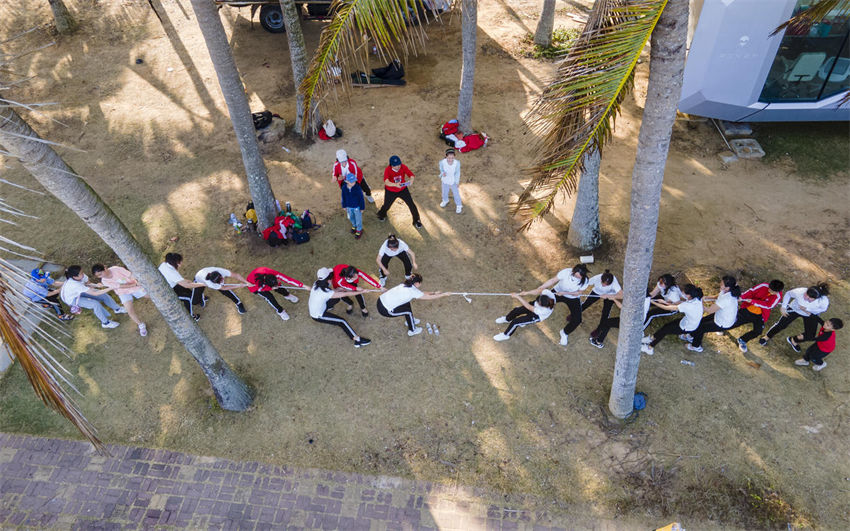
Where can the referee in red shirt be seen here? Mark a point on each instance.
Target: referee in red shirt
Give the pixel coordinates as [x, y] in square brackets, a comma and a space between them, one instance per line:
[397, 179]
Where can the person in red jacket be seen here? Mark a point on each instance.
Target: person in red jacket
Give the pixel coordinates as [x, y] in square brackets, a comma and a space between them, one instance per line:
[755, 306]
[345, 165]
[397, 180]
[346, 277]
[823, 344]
[264, 280]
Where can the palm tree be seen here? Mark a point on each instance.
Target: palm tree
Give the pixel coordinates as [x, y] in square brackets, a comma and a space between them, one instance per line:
[237, 105]
[575, 115]
[546, 24]
[298, 57]
[62, 17]
[469, 30]
[50, 170]
[385, 24]
[666, 71]
[584, 233]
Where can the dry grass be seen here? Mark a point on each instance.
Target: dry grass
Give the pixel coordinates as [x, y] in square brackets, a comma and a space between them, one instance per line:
[522, 417]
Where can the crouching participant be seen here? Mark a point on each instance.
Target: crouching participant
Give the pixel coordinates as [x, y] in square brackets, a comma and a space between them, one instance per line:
[396, 302]
[322, 299]
[526, 314]
[264, 280]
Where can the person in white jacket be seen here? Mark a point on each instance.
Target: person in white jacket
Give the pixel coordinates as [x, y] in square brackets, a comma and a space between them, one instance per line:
[807, 303]
[450, 178]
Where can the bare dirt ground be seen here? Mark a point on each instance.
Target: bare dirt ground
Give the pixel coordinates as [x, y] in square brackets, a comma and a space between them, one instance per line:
[526, 416]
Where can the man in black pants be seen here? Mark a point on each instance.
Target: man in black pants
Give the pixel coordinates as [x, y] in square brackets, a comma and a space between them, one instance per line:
[397, 179]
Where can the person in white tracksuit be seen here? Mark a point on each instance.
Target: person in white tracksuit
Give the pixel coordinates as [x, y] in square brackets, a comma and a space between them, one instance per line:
[450, 179]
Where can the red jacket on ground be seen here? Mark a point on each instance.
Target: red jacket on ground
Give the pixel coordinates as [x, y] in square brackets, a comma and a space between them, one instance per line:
[396, 181]
[252, 279]
[340, 282]
[762, 300]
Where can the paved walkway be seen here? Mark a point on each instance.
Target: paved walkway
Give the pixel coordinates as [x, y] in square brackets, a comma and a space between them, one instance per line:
[64, 484]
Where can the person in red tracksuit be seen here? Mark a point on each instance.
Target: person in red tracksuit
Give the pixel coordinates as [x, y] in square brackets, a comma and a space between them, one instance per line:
[756, 304]
[345, 165]
[824, 343]
[397, 179]
[264, 280]
[346, 277]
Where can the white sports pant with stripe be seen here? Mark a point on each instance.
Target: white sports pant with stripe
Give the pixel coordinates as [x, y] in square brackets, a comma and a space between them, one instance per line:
[333, 319]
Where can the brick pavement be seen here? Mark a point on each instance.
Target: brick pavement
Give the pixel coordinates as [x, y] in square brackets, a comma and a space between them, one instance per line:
[65, 484]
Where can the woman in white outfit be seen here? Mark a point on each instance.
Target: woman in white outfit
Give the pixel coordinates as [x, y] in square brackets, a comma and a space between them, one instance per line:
[450, 178]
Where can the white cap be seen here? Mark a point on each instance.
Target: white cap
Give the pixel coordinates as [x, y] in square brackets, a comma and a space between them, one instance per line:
[341, 155]
[324, 272]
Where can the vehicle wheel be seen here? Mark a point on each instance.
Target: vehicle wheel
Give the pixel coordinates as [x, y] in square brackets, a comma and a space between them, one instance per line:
[271, 19]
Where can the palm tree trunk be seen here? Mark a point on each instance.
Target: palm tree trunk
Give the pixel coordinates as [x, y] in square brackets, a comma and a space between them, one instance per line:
[469, 31]
[584, 230]
[64, 21]
[666, 67]
[543, 35]
[60, 180]
[237, 105]
[298, 58]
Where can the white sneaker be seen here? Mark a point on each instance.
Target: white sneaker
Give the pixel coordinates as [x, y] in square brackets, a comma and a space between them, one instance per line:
[501, 337]
[819, 367]
[121, 309]
[801, 362]
[417, 330]
[502, 320]
[109, 324]
[143, 330]
[370, 199]
[283, 315]
[646, 349]
[646, 340]
[382, 281]
[459, 210]
[686, 337]
[443, 204]
[415, 321]
[695, 349]
[291, 298]
[564, 339]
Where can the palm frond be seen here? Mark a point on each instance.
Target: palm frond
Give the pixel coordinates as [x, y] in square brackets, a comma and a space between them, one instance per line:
[804, 20]
[31, 349]
[357, 25]
[577, 110]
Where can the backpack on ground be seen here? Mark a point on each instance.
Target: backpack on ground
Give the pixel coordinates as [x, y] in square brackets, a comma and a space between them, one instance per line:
[300, 236]
[262, 119]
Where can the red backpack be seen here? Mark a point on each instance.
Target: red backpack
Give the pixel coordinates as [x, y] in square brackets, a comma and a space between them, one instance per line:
[450, 127]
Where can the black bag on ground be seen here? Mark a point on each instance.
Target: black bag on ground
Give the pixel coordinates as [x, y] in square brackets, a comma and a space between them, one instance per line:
[392, 71]
[300, 236]
[261, 119]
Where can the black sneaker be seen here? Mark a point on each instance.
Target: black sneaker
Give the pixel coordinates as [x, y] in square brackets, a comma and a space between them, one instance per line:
[762, 341]
[795, 346]
[350, 310]
[353, 230]
[596, 343]
[196, 318]
[382, 218]
[417, 224]
[362, 342]
[241, 308]
[364, 312]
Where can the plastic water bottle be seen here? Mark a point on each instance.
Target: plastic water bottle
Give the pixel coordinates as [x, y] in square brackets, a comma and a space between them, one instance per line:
[277, 204]
[428, 326]
[436, 330]
[288, 207]
[237, 225]
[688, 362]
